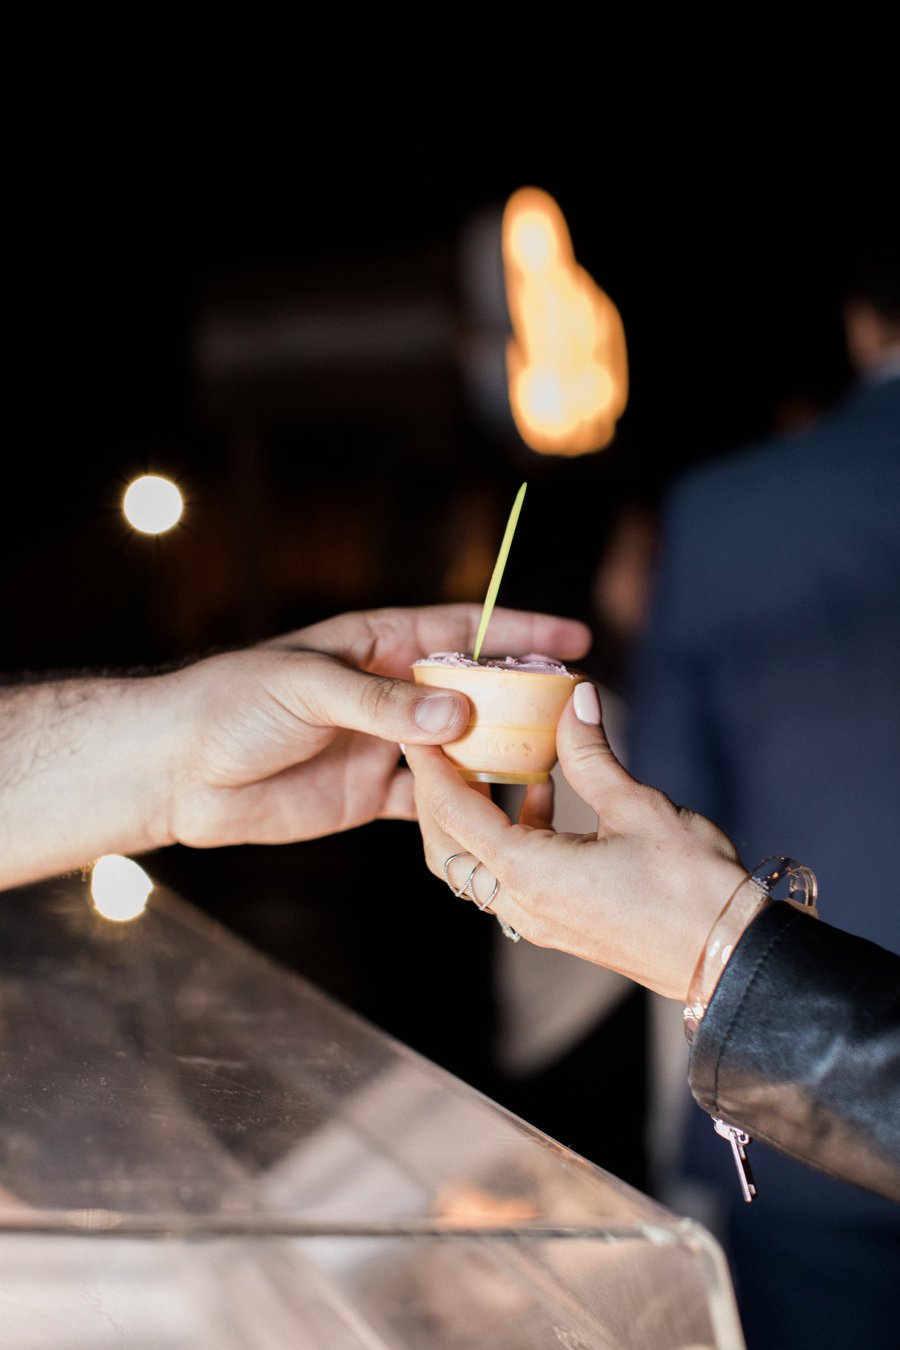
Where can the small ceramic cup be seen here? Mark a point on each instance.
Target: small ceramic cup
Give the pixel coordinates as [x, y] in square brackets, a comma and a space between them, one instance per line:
[511, 735]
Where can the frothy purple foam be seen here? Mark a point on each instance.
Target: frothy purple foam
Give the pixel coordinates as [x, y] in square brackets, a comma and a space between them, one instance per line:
[534, 662]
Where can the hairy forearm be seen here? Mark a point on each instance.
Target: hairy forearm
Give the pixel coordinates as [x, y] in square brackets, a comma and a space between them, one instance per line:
[83, 771]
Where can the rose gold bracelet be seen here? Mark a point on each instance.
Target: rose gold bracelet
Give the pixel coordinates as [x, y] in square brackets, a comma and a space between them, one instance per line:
[754, 893]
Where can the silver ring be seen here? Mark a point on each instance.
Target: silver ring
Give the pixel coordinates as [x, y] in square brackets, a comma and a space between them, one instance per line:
[464, 888]
[447, 862]
[467, 889]
[508, 931]
[486, 905]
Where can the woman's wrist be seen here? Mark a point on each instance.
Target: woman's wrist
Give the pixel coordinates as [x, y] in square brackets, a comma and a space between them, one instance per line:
[735, 916]
[752, 894]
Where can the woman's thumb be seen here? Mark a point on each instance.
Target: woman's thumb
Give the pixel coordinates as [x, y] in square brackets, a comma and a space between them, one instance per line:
[585, 756]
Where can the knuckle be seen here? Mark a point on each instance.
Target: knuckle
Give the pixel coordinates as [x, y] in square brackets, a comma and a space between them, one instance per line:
[657, 801]
[583, 756]
[515, 863]
[648, 803]
[441, 809]
[380, 697]
[708, 833]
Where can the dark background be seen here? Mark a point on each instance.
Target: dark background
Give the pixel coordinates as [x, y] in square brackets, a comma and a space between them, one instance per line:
[728, 275]
[148, 207]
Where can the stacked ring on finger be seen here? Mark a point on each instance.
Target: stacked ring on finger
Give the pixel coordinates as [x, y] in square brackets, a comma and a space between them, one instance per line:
[467, 891]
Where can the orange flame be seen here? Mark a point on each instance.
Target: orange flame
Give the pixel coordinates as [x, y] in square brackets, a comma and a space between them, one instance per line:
[566, 361]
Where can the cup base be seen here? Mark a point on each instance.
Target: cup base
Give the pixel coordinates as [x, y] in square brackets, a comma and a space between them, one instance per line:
[488, 776]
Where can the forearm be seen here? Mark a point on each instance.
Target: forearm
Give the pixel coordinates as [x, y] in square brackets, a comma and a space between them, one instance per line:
[800, 1046]
[83, 771]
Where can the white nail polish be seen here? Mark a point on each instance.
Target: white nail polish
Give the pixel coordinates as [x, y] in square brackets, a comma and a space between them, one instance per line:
[587, 703]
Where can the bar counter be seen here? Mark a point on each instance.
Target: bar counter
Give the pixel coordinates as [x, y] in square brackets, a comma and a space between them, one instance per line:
[200, 1149]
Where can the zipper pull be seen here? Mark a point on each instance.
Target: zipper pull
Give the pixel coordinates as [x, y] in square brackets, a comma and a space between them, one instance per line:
[738, 1139]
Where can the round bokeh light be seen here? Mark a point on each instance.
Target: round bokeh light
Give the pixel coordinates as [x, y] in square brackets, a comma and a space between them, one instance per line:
[119, 887]
[152, 504]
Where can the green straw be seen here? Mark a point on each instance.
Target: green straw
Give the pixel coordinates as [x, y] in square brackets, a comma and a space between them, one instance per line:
[499, 565]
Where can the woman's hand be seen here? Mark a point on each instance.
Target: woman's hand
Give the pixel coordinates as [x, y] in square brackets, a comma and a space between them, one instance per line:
[639, 896]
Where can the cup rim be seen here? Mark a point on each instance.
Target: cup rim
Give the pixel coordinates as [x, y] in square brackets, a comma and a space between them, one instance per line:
[567, 674]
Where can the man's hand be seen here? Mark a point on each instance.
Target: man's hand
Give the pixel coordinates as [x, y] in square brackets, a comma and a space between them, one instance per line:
[289, 740]
[299, 737]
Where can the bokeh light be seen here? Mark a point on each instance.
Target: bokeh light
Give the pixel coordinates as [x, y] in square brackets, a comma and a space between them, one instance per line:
[120, 888]
[152, 504]
[567, 364]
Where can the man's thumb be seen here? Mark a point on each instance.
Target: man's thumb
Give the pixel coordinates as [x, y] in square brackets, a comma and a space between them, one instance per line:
[395, 710]
[585, 756]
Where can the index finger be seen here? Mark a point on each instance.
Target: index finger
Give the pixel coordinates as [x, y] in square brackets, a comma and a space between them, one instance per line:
[514, 632]
[468, 817]
[389, 640]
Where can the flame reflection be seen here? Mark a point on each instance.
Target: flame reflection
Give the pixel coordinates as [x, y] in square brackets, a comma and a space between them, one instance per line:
[566, 362]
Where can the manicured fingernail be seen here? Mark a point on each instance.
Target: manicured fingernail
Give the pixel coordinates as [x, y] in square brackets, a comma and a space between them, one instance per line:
[587, 704]
[437, 714]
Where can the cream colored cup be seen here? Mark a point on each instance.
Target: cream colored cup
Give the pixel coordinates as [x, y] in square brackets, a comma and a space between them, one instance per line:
[511, 736]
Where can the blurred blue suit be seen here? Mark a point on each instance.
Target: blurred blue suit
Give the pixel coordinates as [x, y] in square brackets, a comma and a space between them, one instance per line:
[766, 694]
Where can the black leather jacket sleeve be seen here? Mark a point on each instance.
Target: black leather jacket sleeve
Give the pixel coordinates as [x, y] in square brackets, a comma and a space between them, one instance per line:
[800, 1047]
